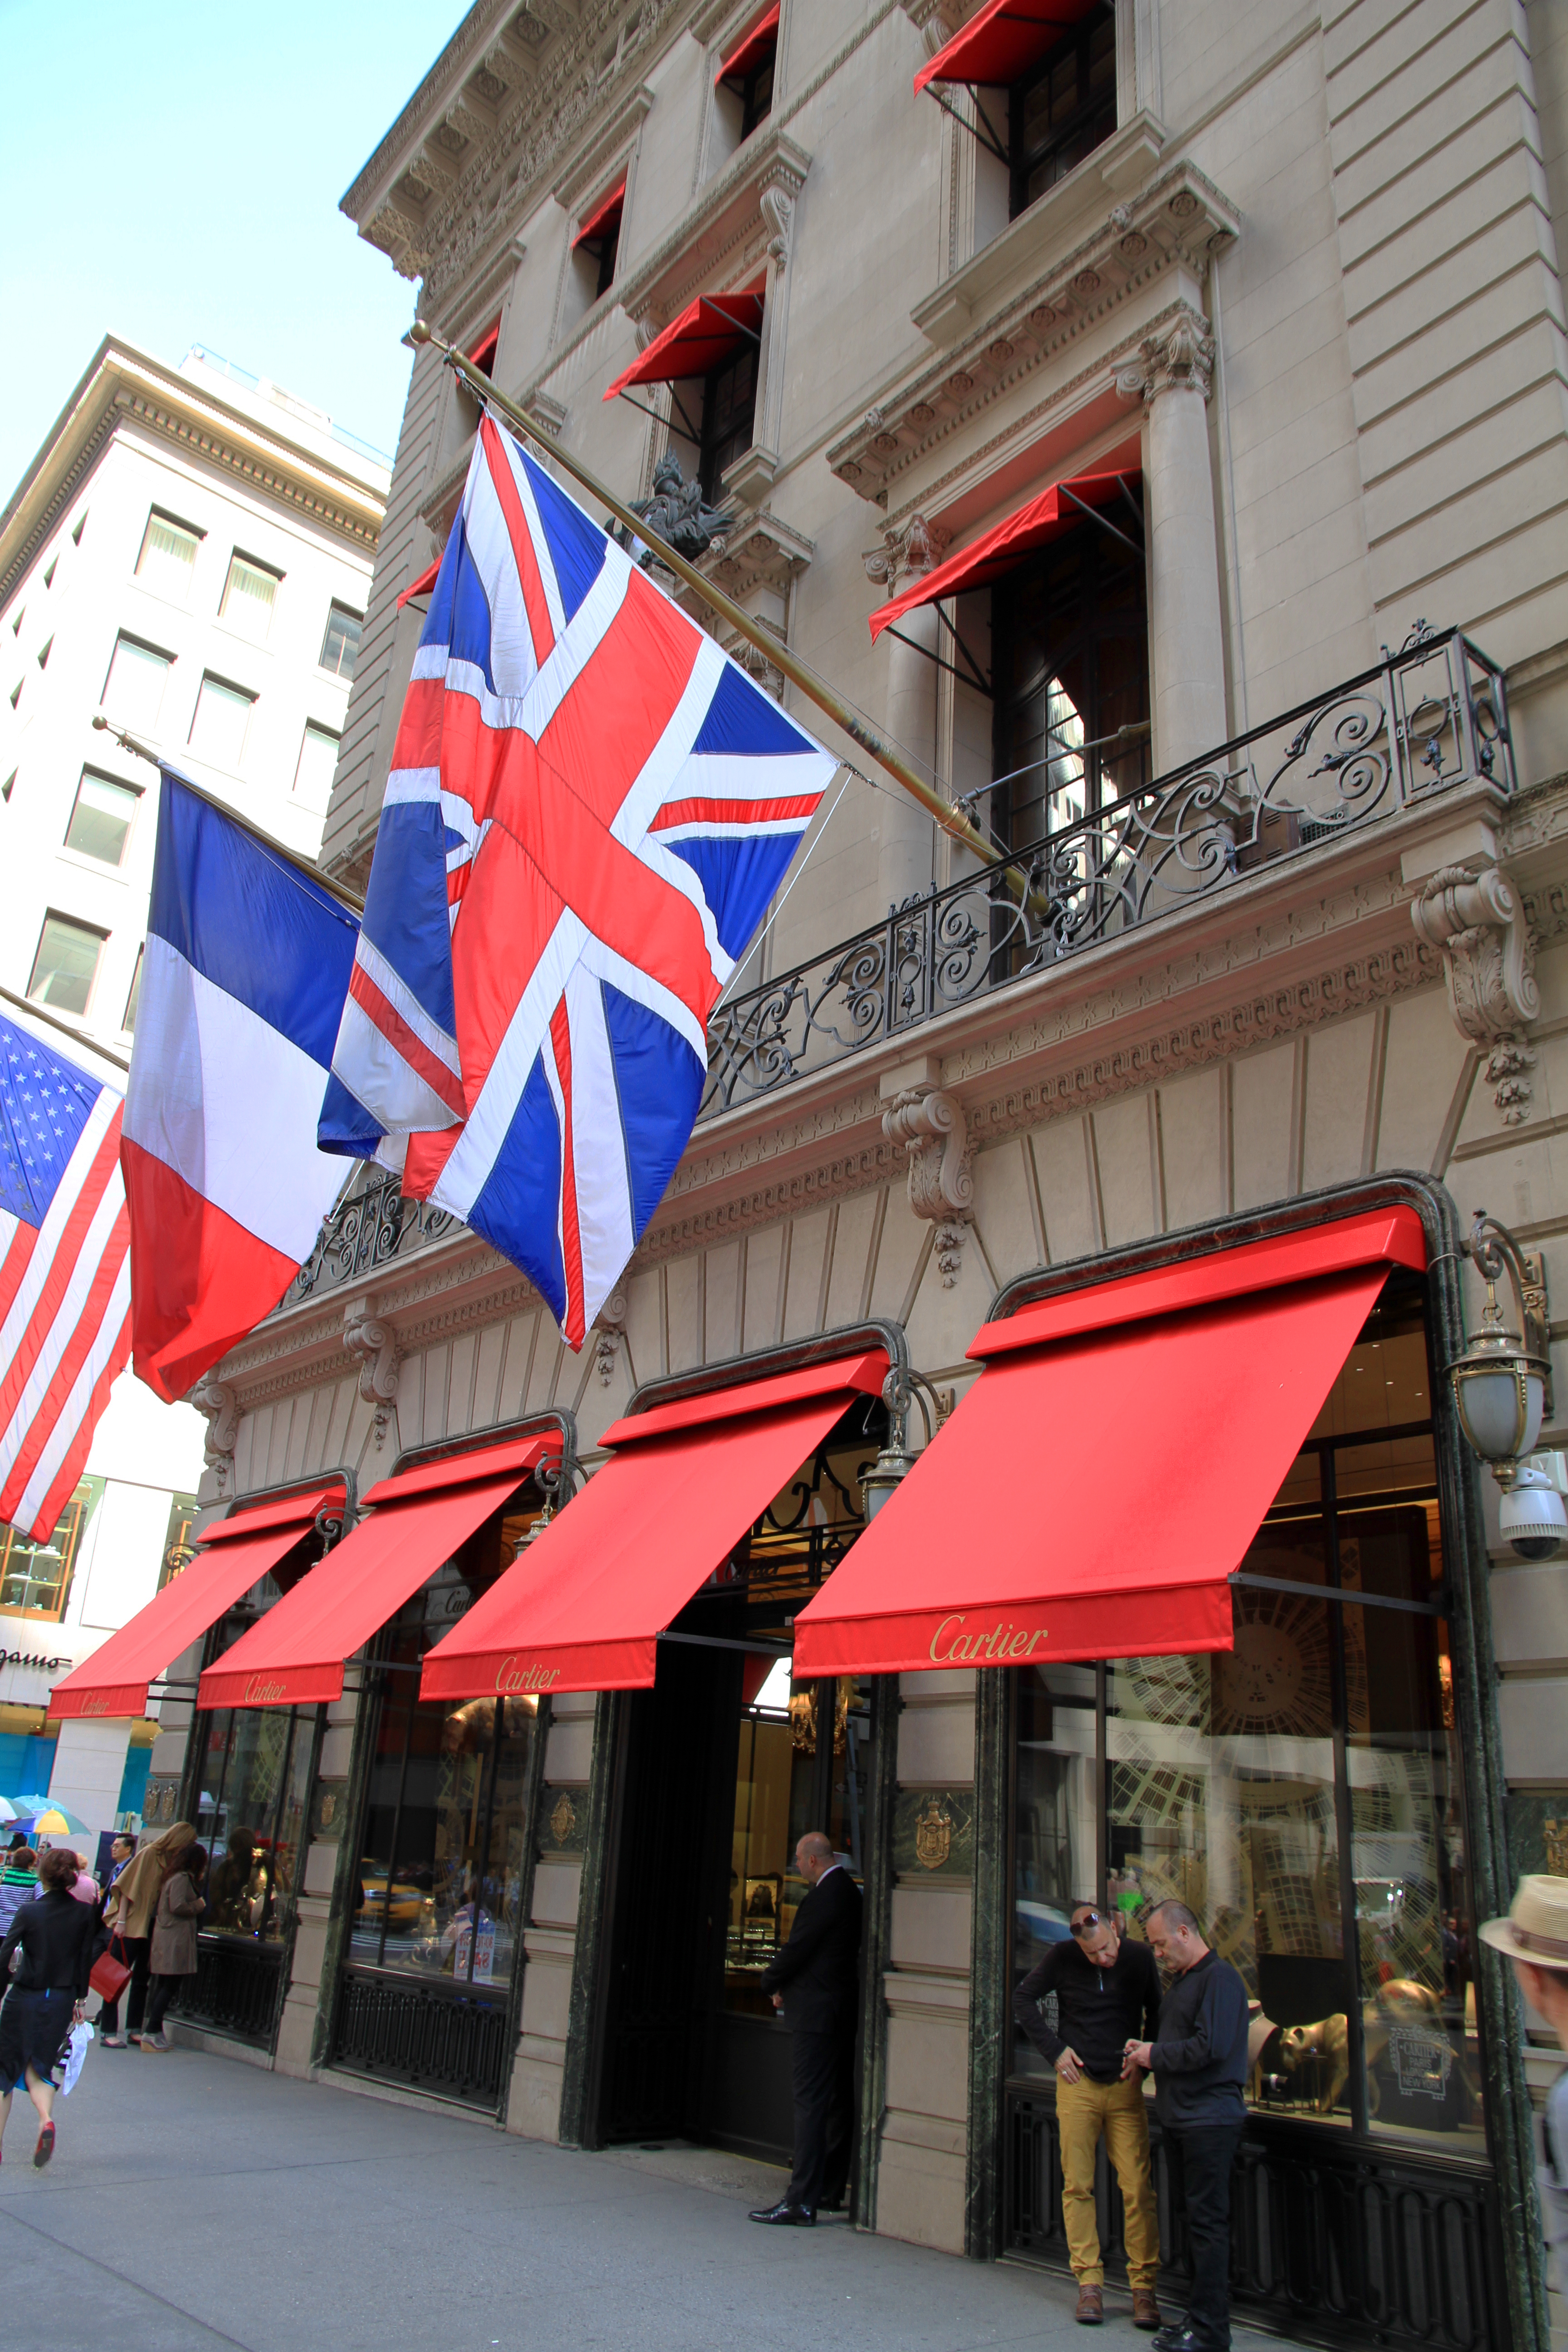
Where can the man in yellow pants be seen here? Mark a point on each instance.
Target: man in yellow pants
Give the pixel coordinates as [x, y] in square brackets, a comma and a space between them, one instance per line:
[1108, 1993]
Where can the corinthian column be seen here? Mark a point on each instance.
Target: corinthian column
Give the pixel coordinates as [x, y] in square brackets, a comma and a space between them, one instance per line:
[1186, 642]
[905, 832]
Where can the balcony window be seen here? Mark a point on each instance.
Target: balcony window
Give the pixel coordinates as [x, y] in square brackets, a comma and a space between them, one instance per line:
[1062, 109]
[66, 964]
[249, 595]
[168, 556]
[340, 647]
[134, 690]
[1070, 654]
[221, 723]
[102, 819]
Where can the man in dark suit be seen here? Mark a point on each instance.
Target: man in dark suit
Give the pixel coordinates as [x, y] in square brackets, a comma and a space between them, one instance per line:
[815, 1979]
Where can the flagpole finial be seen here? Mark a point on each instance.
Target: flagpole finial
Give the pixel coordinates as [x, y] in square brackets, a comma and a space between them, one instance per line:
[421, 332]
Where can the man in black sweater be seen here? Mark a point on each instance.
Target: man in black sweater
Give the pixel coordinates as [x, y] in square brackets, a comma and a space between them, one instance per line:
[815, 1979]
[1199, 2060]
[1107, 1989]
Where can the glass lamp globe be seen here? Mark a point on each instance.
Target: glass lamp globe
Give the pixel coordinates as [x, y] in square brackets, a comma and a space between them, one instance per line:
[1500, 1392]
[892, 1466]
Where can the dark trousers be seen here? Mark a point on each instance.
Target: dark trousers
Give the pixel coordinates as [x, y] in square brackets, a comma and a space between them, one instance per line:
[136, 1953]
[1200, 2157]
[160, 1994]
[823, 2072]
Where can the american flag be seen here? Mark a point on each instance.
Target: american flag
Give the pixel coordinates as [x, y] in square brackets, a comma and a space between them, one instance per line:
[589, 808]
[65, 1273]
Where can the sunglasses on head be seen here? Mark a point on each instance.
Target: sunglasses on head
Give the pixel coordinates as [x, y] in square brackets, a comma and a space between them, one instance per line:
[1085, 1921]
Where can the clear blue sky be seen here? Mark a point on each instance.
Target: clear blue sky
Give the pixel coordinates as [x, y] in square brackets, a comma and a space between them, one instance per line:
[171, 173]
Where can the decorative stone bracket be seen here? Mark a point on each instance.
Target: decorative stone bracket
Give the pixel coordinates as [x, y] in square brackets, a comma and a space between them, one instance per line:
[609, 1330]
[1476, 919]
[376, 1344]
[930, 1127]
[217, 1403]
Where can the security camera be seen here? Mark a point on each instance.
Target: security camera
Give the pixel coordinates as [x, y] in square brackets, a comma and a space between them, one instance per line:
[1532, 1518]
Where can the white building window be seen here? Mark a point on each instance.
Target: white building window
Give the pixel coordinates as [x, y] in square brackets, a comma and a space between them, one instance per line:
[318, 761]
[340, 647]
[66, 964]
[168, 556]
[134, 690]
[221, 722]
[247, 598]
[129, 1024]
[101, 820]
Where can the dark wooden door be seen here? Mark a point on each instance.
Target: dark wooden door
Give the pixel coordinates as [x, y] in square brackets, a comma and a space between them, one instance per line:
[676, 1816]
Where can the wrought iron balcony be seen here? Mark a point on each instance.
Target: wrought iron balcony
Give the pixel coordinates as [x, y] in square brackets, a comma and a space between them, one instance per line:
[1427, 718]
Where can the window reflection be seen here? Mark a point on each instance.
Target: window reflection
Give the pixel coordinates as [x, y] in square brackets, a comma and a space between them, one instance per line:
[250, 1816]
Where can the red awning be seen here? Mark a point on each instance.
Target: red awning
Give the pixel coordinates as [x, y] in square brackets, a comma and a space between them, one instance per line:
[583, 1608]
[707, 331]
[750, 51]
[230, 1557]
[605, 216]
[295, 1655]
[483, 352]
[423, 585]
[1001, 550]
[1103, 1477]
[1002, 40]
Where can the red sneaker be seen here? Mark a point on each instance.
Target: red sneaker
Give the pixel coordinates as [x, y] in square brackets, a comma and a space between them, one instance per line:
[45, 2149]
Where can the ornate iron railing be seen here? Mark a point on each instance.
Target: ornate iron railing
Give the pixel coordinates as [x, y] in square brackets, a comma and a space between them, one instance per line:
[449, 2043]
[237, 1988]
[1429, 718]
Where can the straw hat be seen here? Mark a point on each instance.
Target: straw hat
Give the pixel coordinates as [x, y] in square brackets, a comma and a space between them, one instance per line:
[1536, 1928]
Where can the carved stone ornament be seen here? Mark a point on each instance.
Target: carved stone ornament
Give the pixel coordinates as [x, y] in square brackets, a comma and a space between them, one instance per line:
[609, 1332]
[930, 1127]
[778, 211]
[1179, 360]
[1478, 921]
[910, 549]
[215, 1401]
[376, 1345]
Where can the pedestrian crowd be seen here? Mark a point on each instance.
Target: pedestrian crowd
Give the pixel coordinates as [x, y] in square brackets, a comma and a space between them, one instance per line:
[61, 1936]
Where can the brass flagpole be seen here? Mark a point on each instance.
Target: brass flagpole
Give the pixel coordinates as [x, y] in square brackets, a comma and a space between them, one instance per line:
[818, 688]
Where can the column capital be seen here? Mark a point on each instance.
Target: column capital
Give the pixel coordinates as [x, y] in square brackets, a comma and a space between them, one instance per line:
[909, 551]
[1179, 359]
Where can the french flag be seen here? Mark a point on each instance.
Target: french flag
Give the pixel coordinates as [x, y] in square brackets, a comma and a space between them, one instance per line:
[243, 981]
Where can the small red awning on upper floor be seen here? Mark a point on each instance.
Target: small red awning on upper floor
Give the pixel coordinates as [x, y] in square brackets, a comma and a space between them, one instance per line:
[605, 216]
[483, 352]
[1002, 40]
[295, 1655]
[707, 331]
[1097, 1486]
[999, 549]
[753, 47]
[231, 1557]
[423, 585]
[583, 1608]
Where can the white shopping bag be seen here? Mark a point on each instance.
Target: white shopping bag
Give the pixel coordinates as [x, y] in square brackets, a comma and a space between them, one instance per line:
[75, 2056]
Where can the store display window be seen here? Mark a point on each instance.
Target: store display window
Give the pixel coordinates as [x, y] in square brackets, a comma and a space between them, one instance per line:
[1300, 1792]
[250, 1816]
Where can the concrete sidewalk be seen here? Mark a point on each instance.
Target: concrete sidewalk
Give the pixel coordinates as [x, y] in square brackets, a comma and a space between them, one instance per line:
[193, 2202]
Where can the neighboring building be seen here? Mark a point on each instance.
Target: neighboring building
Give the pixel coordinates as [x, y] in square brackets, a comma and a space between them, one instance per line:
[1243, 328]
[188, 554]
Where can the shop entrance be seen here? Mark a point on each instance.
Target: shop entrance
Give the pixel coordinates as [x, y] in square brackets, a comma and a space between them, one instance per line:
[720, 1768]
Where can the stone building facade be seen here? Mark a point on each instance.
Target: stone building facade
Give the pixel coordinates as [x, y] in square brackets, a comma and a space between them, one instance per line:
[1247, 326]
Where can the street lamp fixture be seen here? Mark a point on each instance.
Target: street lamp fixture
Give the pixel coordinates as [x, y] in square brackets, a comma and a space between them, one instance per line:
[1500, 1387]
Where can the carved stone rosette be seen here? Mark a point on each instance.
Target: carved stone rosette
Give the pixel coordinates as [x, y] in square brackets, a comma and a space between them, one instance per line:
[930, 1127]
[1478, 921]
[376, 1344]
[217, 1403]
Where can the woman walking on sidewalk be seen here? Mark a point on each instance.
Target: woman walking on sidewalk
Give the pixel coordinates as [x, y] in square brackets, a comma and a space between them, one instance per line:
[54, 1936]
[127, 1915]
[180, 1905]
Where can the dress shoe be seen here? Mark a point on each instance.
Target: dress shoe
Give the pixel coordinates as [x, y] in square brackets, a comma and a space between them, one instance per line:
[1145, 2310]
[1178, 2337]
[1090, 2312]
[785, 2215]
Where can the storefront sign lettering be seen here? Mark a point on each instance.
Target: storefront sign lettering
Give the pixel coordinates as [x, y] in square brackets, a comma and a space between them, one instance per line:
[96, 1703]
[258, 1690]
[949, 1645]
[513, 1675]
[31, 1658]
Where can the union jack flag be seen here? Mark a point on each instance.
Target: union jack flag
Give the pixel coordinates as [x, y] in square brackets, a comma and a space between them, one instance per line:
[589, 808]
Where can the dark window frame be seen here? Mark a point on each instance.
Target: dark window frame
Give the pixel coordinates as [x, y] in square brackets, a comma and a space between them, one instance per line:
[338, 611]
[720, 443]
[754, 88]
[1094, 111]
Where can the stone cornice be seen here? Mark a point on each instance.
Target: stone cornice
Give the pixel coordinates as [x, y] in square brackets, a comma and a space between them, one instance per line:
[727, 217]
[1029, 317]
[296, 490]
